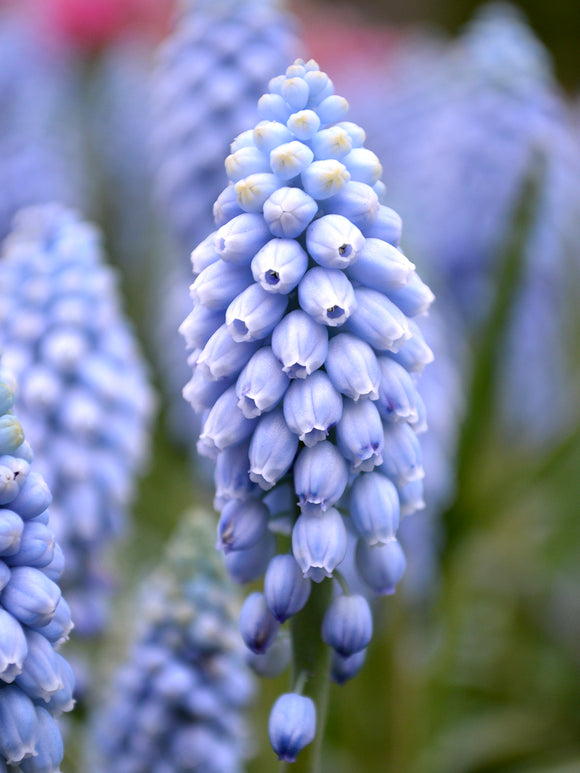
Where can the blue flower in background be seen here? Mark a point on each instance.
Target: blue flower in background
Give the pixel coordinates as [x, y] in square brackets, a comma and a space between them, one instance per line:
[305, 359]
[457, 137]
[36, 683]
[84, 400]
[41, 154]
[177, 701]
[209, 75]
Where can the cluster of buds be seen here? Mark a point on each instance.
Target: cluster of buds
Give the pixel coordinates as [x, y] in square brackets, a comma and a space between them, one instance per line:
[305, 355]
[84, 399]
[36, 683]
[176, 702]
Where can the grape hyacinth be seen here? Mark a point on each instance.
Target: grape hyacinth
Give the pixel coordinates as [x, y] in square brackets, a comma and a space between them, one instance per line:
[458, 135]
[211, 71]
[305, 353]
[36, 682]
[177, 702]
[84, 400]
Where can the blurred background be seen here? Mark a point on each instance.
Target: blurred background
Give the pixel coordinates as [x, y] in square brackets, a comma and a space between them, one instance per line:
[474, 112]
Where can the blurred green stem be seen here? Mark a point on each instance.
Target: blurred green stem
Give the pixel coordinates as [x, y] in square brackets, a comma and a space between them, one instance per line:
[311, 659]
[482, 392]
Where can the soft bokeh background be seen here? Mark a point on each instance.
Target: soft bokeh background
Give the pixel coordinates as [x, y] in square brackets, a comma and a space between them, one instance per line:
[478, 671]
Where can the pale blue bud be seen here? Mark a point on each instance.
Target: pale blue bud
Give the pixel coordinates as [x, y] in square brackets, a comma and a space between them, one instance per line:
[374, 508]
[292, 725]
[387, 226]
[288, 211]
[333, 241]
[359, 435]
[245, 161]
[218, 284]
[13, 647]
[224, 426]
[244, 139]
[223, 356]
[285, 587]
[204, 254]
[356, 133]
[402, 456]
[253, 191]
[11, 434]
[6, 394]
[199, 325]
[318, 82]
[414, 298]
[381, 266]
[319, 542]
[296, 92]
[347, 626]
[231, 475]
[13, 474]
[320, 475]
[300, 344]
[248, 565]
[304, 124]
[380, 566]
[255, 313]
[36, 546]
[240, 238]
[202, 393]
[272, 450]
[280, 265]
[19, 724]
[290, 159]
[257, 624]
[363, 165]
[378, 321]
[11, 527]
[58, 629]
[355, 201]
[327, 295]
[345, 668]
[398, 397]
[40, 678]
[273, 107]
[269, 134]
[49, 750]
[312, 406]
[353, 367]
[333, 142]
[226, 206]
[323, 179]
[332, 109]
[411, 497]
[241, 524]
[30, 596]
[414, 353]
[262, 384]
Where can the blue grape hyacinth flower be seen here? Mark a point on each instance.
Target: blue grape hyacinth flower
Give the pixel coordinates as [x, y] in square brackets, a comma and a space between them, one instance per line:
[303, 340]
[36, 682]
[85, 399]
[177, 702]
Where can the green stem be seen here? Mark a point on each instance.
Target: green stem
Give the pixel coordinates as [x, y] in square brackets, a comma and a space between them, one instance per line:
[311, 663]
[482, 393]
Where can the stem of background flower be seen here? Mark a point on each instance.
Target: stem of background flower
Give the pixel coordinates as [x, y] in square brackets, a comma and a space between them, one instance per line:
[482, 394]
[311, 657]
